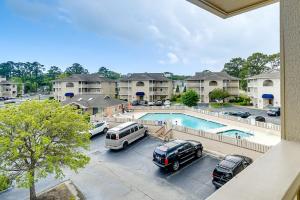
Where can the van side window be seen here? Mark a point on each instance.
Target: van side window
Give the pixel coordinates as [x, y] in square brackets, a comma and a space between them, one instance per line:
[136, 128]
[132, 130]
[124, 133]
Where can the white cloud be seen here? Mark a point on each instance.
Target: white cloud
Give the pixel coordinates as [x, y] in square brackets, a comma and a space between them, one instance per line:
[183, 33]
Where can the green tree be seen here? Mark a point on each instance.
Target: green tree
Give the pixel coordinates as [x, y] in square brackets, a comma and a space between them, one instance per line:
[190, 98]
[274, 61]
[257, 64]
[218, 94]
[6, 69]
[76, 69]
[234, 67]
[53, 72]
[38, 138]
[108, 73]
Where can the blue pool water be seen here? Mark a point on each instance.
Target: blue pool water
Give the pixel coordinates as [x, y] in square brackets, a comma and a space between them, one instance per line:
[234, 133]
[183, 120]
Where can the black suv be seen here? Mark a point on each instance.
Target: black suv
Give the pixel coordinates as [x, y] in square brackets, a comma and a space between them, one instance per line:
[229, 167]
[174, 153]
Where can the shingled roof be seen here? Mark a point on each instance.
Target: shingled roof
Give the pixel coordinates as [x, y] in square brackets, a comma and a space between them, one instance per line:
[84, 77]
[268, 75]
[145, 77]
[93, 101]
[212, 76]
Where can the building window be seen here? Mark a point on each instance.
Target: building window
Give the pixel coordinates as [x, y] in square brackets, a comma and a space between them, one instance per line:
[140, 83]
[70, 85]
[268, 83]
[213, 83]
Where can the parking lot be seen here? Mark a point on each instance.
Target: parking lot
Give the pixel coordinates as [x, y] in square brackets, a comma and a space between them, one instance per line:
[252, 111]
[130, 174]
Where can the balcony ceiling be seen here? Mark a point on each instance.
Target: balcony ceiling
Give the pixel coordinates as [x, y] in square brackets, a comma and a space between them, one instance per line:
[229, 8]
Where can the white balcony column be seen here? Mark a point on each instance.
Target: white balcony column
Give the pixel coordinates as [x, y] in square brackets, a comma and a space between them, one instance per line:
[290, 69]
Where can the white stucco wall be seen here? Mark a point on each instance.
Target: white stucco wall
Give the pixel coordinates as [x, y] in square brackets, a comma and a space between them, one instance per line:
[256, 91]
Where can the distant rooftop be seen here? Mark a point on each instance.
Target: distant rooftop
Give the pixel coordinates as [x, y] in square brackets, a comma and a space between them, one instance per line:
[267, 75]
[84, 77]
[145, 76]
[212, 76]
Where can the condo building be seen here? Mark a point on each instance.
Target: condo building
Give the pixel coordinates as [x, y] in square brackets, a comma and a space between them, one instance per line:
[8, 88]
[205, 82]
[83, 84]
[264, 89]
[145, 87]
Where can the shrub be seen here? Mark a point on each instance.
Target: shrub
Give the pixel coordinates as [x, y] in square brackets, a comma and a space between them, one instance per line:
[190, 98]
[4, 182]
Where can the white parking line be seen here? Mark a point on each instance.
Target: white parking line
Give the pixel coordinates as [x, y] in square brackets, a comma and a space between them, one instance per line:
[181, 169]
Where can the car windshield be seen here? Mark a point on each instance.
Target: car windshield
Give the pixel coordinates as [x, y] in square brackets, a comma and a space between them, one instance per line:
[99, 125]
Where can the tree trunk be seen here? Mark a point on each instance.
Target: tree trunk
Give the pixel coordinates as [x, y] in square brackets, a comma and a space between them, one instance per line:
[32, 187]
[32, 192]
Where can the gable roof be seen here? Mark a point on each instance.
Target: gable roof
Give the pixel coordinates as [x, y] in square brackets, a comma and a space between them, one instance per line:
[212, 76]
[84, 77]
[145, 77]
[267, 75]
[93, 101]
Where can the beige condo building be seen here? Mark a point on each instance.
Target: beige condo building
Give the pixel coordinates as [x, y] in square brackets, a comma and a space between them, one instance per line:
[83, 84]
[145, 87]
[205, 82]
[8, 88]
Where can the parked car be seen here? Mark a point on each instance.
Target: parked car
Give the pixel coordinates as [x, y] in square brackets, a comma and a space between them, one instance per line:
[143, 103]
[122, 135]
[229, 167]
[158, 103]
[2, 98]
[167, 103]
[260, 119]
[275, 111]
[151, 103]
[99, 127]
[175, 153]
[10, 101]
[135, 103]
[239, 114]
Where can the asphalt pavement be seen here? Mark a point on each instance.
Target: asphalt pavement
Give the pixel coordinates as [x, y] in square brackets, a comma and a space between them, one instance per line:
[130, 174]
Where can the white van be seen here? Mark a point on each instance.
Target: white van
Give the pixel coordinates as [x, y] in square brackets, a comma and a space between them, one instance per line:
[119, 137]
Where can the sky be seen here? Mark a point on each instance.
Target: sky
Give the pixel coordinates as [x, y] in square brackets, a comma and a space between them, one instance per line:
[133, 35]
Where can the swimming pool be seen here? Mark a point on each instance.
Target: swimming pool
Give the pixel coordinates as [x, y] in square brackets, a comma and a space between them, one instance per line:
[236, 133]
[183, 120]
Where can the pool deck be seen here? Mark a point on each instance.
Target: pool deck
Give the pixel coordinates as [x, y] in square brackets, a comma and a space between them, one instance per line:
[261, 135]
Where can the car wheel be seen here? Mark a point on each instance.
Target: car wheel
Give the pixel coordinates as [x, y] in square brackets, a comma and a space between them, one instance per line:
[199, 153]
[146, 133]
[105, 130]
[125, 145]
[175, 165]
